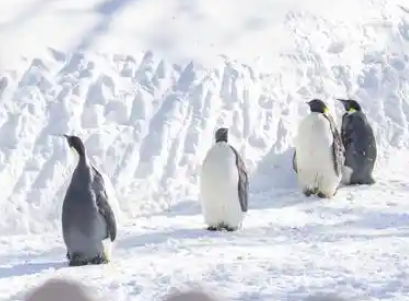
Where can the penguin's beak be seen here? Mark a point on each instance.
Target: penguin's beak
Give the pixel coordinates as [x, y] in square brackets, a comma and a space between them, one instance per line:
[60, 135]
[342, 100]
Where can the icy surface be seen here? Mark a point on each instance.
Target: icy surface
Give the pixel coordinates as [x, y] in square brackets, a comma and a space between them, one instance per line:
[145, 84]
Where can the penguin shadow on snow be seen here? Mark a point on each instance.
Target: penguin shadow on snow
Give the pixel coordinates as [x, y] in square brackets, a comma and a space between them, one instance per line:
[370, 225]
[186, 207]
[275, 174]
[374, 220]
[274, 171]
[186, 234]
[30, 264]
[29, 268]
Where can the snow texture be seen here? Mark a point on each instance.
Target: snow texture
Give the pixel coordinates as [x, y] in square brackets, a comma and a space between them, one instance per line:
[145, 84]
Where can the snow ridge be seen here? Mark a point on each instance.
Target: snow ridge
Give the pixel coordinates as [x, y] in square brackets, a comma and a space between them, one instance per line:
[169, 112]
[148, 118]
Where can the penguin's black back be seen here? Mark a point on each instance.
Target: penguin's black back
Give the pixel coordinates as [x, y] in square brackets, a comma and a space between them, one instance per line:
[359, 142]
[357, 132]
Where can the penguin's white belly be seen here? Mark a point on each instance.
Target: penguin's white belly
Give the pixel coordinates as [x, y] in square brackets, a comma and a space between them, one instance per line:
[106, 243]
[314, 155]
[90, 245]
[219, 188]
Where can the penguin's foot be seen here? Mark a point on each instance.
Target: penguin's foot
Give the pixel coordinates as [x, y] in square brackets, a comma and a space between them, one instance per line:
[76, 260]
[308, 192]
[227, 228]
[322, 195]
[222, 227]
[213, 228]
[366, 182]
[100, 259]
[230, 229]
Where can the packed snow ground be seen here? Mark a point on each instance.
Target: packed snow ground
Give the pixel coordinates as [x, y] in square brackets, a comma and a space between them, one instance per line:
[145, 83]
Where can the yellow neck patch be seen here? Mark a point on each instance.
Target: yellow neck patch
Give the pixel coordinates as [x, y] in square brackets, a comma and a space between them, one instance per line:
[326, 110]
[351, 110]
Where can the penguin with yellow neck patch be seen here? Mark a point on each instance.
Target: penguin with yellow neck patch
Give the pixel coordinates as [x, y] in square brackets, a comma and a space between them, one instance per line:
[359, 143]
[318, 156]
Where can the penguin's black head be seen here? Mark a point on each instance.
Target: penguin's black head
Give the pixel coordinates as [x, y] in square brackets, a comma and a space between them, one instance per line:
[75, 143]
[317, 106]
[350, 105]
[221, 135]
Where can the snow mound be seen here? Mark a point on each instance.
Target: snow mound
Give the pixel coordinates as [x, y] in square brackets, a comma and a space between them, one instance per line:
[147, 121]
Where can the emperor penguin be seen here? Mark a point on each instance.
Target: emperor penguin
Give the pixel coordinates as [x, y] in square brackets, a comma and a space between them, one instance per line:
[89, 223]
[318, 156]
[224, 185]
[360, 145]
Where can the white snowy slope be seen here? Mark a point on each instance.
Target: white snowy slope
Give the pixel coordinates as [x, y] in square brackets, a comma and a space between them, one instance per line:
[145, 84]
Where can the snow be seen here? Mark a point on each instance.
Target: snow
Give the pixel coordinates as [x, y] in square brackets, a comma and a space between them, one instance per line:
[145, 84]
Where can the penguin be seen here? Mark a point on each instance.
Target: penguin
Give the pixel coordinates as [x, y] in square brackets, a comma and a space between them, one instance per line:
[224, 185]
[319, 154]
[89, 223]
[360, 145]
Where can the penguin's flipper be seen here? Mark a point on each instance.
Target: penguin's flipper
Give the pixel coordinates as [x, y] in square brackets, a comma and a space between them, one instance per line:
[337, 146]
[347, 128]
[337, 155]
[243, 185]
[102, 200]
[295, 161]
[344, 128]
[106, 211]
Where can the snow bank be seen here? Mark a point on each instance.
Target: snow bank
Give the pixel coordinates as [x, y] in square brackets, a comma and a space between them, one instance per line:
[147, 121]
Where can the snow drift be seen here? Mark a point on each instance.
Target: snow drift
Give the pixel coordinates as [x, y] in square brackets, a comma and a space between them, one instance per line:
[147, 121]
